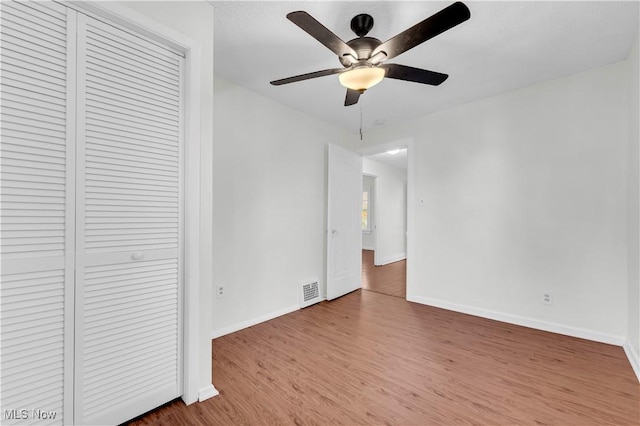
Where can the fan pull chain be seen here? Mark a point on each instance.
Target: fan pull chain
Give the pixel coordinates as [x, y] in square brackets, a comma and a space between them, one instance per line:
[361, 120]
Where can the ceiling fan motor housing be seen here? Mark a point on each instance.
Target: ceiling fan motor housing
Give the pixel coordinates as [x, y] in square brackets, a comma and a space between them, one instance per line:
[363, 46]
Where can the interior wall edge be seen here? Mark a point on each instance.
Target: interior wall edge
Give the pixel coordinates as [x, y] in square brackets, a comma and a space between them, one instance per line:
[632, 346]
[566, 330]
[634, 358]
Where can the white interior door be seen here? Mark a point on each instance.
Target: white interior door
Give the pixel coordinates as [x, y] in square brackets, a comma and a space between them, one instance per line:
[129, 225]
[344, 238]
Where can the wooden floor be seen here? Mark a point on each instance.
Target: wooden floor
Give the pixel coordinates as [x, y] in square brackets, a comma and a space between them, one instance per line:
[368, 358]
[388, 279]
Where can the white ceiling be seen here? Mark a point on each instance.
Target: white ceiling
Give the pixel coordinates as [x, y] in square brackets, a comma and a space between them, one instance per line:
[397, 160]
[504, 46]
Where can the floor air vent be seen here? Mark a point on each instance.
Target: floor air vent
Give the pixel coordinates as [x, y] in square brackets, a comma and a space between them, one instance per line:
[310, 293]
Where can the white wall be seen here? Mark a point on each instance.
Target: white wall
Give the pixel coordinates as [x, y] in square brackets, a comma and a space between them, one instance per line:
[526, 192]
[633, 322]
[195, 20]
[269, 212]
[390, 211]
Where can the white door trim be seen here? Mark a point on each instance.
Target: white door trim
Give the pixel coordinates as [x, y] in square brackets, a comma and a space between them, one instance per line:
[191, 334]
[411, 200]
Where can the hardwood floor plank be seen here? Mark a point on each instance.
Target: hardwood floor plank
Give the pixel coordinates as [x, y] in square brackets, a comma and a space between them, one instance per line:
[368, 358]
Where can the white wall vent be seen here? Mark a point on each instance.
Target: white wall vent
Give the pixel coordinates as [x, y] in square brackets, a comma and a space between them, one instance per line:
[310, 293]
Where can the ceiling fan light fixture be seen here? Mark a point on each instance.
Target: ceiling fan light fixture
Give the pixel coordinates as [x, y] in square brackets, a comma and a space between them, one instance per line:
[361, 78]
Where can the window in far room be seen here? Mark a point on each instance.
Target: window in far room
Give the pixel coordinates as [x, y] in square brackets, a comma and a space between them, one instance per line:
[366, 203]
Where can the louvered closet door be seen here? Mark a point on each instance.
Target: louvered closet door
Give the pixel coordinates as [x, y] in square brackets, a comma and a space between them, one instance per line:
[128, 298]
[37, 189]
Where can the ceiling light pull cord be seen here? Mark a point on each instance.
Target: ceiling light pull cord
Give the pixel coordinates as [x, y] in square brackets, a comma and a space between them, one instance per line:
[361, 102]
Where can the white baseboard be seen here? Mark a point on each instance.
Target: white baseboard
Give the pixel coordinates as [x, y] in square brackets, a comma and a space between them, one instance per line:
[207, 392]
[523, 321]
[390, 259]
[245, 324]
[634, 358]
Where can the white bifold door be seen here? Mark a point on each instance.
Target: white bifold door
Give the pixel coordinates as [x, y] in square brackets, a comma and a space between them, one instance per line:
[37, 217]
[91, 205]
[128, 219]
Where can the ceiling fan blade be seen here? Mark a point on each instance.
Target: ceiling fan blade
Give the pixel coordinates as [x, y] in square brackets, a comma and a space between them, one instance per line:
[307, 76]
[436, 24]
[321, 33]
[352, 97]
[417, 75]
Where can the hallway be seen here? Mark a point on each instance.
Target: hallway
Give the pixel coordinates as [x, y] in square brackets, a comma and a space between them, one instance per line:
[388, 279]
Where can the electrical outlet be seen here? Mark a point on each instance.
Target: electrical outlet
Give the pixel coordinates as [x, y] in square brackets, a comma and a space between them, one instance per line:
[547, 298]
[220, 291]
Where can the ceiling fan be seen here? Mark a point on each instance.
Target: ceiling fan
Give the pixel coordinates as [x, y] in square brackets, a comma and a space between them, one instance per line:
[362, 58]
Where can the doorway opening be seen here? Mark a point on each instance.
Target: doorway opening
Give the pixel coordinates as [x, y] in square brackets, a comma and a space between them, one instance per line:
[385, 221]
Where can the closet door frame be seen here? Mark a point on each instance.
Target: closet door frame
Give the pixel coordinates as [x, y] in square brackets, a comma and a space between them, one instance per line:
[192, 344]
